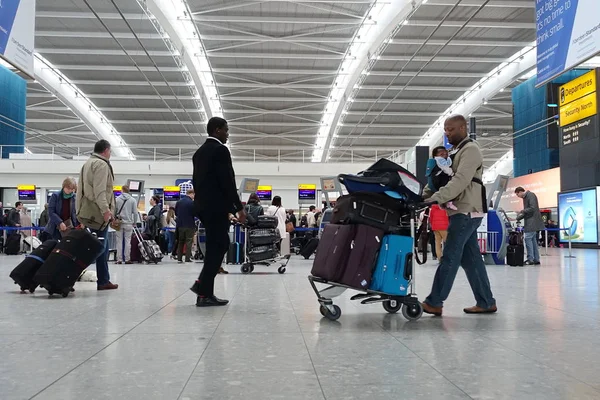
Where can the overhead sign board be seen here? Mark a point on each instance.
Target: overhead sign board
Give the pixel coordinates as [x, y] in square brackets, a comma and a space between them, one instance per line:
[307, 192]
[265, 192]
[26, 193]
[577, 88]
[568, 33]
[579, 109]
[17, 33]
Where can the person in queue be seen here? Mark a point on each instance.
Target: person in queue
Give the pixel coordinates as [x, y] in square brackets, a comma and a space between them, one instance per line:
[465, 189]
[62, 210]
[96, 204]
[533, 224]
[216, 197]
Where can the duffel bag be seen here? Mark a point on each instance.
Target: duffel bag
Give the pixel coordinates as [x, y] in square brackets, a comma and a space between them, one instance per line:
[262, 253]
[377, 210]
[264, 236]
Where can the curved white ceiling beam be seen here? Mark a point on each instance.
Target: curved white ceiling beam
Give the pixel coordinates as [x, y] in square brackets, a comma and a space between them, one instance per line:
[60, 86]
[380, 22]
[504, 166]
[500, 77]
[174, 17]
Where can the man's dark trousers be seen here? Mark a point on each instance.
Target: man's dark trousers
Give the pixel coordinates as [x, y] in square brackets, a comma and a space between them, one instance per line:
[185, 237]
[217, 243]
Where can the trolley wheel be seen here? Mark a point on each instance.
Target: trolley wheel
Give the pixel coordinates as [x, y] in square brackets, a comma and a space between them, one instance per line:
[412, 312]
[281, 270]
[246, 269]
[392, 306]
[65, 294]
[335, 315]
[251, 268]
[323, 310]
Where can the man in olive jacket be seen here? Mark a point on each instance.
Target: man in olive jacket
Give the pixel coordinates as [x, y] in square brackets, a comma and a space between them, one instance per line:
[533, 224]
[465, 190]
[96, 204]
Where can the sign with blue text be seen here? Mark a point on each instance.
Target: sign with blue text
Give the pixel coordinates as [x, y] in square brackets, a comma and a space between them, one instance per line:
[568, 33]
[17, 32]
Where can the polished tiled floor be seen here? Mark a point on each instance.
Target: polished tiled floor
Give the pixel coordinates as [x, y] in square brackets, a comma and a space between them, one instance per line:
[147, 340]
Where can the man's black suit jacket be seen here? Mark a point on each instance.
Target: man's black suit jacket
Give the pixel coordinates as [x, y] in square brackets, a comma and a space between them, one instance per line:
[214, 179]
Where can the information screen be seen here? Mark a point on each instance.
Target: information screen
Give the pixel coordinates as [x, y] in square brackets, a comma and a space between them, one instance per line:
[172, 193]
[26, 192]
[135, 186]
[265, 192]
[578, 214]
[307, 192]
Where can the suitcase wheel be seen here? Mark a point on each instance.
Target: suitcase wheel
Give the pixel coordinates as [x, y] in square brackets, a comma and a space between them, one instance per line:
[247, 268]
[329, 314]
[392, 306]
[281, 270]
[412, 312]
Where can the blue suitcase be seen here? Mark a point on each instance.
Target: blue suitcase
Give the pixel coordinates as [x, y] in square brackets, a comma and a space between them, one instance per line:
[393, 270]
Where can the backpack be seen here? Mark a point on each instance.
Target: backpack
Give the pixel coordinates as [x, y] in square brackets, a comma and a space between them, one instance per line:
[304, 221]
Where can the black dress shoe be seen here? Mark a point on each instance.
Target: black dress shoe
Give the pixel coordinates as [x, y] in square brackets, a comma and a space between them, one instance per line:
[210, 302]
[196, 288]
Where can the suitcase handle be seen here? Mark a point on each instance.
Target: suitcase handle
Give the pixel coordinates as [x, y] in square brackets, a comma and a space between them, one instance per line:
[408, 264]
[379, 180]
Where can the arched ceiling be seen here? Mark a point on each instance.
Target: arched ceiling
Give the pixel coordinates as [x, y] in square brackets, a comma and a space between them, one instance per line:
[272, 66]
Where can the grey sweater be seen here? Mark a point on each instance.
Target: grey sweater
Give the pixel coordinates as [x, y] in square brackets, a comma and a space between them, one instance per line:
[129, 214]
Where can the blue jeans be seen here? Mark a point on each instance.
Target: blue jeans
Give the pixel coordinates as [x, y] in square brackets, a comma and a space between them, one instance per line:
[170, 236]
[531, 244]
[102, 260]
[461, 249]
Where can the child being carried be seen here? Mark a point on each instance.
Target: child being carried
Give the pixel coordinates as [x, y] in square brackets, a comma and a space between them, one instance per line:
[439, 172]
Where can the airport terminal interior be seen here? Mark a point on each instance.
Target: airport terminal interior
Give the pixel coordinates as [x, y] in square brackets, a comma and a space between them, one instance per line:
[336, 114]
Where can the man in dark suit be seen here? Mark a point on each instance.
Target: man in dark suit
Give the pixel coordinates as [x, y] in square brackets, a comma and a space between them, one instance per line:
[216, 197]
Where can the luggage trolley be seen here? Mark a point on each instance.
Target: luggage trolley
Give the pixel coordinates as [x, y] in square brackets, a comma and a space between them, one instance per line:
[383, 176]
[409, 304]
[262, 250]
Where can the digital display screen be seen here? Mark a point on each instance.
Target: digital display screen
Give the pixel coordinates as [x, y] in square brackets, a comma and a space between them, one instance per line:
[307, 192]
[265, 192]
[249, 185]
[171, 193]
[117, 190]
[26, 193]
[578, 214]
[135, 186]
[328, 185]
[545, 185]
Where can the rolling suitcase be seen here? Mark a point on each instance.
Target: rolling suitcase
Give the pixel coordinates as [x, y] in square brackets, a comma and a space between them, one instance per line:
[261, 237]
[262, 253]
[333, 252]
[13, 244]
[309, 248]
[235, 254]
[149, 250]
[67, 261]
[24, 272]
[515, 255]
[393, 271]
[363, 255]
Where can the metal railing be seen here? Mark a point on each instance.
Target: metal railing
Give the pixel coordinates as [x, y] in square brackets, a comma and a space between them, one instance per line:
[173, 154]
[488, 242]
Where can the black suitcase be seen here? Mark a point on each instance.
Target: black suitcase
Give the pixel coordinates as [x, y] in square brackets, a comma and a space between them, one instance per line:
[333, 252]
[24, 272]
[267, 222]
[13, 244]
[260, 237]
[262, 253]
[309, 248]
[515, 255]
[67, 261]
[373, 209]
[362, 257]
[235, 254]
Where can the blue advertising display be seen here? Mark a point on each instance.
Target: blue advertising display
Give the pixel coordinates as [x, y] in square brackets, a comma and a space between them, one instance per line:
[17, 31]
[578, 214]
[568, 33]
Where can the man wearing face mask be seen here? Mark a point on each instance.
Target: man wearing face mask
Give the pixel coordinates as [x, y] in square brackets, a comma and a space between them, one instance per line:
[467, 192]
[216, 197]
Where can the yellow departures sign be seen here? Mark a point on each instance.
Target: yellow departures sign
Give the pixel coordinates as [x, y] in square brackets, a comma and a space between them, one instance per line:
[577, 88]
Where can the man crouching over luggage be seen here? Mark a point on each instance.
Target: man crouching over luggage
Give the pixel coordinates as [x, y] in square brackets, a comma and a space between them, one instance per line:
[468, 195]
[96, 204]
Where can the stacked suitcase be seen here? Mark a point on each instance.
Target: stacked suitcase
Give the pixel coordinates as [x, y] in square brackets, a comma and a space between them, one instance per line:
[364, 247]
[263, 240]
[368, 245]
